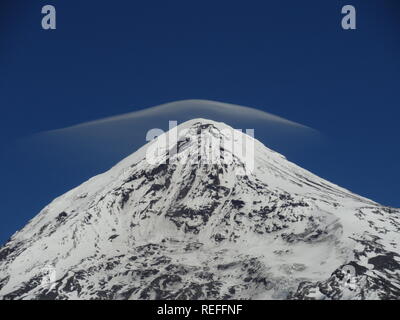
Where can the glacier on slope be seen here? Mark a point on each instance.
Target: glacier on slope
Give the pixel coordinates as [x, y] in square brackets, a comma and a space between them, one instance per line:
[185, 229]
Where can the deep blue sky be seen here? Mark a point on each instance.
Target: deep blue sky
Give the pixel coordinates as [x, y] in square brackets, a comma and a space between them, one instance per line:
[290, 57]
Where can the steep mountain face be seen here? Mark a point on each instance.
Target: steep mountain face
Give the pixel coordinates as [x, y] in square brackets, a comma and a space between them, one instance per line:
[196, 220]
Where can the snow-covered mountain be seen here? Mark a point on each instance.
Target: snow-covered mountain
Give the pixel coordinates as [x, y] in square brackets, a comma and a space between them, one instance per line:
[205, 225]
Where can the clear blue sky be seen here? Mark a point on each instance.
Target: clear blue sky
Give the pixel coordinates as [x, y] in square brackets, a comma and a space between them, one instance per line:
[110, 57]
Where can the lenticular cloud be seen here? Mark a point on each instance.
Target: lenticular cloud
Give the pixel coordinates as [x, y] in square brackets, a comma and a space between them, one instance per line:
[105, 141]
[191, 109]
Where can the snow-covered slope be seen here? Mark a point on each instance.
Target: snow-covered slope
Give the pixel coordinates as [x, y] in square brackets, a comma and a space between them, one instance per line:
[205, 225]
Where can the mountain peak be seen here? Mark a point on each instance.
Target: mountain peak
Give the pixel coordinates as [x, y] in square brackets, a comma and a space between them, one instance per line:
[203, 121]
[188, 216]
